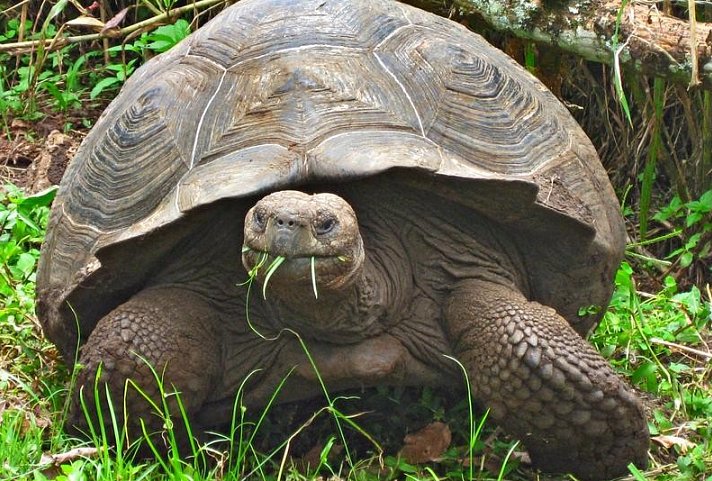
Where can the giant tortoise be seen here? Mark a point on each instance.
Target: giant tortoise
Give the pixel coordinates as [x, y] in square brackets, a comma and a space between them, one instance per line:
[427, 198]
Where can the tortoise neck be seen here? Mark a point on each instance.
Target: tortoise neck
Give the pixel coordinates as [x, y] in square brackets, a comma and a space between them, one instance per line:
[344, 315]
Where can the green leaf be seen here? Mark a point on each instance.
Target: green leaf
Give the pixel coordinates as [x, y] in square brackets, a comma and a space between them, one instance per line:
[57, 94]
[29, 222]
[617, 77]
[161, 43]
[678, 368]
[645, 374]
[313, 277]
[705, 201]
[670, 284]
[167, 36]
[686, 259]
[693, 218]
[692, 300]
[26, 264]
[56, 9]
[102, 85]
[671, 210]
[40, 199]
[624, 279]
[270, 271]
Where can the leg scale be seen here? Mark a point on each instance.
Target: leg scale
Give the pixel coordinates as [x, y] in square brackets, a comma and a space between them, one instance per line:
[545, 384]
[167, 333]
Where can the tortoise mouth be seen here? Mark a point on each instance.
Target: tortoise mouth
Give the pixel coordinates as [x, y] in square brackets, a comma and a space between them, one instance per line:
[296, 270]
[270, 256]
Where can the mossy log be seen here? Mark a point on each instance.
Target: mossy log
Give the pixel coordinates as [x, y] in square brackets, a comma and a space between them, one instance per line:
[649, 40]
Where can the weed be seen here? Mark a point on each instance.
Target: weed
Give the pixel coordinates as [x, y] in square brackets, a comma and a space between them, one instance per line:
[475, 430]
[342, 420]
[272, 268]
[654, 151]
[20, 444]
[22, 222]
[660, 342]
[692, 223]
[31, 382]
[339, 418]
[62, 78]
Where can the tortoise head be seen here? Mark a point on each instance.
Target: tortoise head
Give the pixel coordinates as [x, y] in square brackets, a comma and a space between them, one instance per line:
[317, 235]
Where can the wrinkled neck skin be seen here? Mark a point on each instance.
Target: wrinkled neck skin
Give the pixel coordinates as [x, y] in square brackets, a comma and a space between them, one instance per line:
[344, 314]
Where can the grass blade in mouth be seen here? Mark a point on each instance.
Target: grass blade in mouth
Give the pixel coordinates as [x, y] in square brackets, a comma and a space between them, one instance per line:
[256, 268]
[313, 276]
[271, 270]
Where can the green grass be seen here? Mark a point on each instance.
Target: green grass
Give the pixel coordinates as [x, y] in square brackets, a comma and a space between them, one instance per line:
[29, 366]
[663, 343]
[660, 341]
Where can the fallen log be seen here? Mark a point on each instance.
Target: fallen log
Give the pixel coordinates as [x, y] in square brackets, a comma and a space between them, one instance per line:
[635, 34]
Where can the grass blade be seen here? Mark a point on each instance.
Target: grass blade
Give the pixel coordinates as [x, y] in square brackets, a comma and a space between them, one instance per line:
[503, 468]
[313, 277]
[617, 78]
[704, 166]
[270, 271]
[656, 143]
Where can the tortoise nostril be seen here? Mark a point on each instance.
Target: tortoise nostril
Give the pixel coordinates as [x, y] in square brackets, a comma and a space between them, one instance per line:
[287, 221]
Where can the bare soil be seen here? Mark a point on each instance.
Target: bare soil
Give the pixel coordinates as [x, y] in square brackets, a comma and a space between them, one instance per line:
[35, 154]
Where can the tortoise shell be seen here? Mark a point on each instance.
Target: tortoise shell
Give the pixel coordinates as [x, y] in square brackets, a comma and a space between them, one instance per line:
[275, 94]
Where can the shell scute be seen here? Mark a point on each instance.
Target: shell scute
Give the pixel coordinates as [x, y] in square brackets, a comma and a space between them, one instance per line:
[253, 33]
[301, 100]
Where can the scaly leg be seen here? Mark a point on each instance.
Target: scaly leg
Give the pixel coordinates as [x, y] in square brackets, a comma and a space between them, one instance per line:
[544, 384]
[172, 330]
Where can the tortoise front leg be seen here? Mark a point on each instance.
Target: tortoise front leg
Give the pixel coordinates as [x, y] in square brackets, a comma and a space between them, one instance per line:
[544, 384]
[169, 333]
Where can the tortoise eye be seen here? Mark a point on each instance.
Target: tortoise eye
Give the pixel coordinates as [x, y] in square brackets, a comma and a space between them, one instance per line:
[259, 219]
[326, 225]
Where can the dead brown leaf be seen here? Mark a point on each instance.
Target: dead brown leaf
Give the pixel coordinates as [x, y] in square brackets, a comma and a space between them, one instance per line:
[312, 458]
[52, 462]
[669, 441]
[426, 445]
[86, 21]
[48, 167]
[116, 20]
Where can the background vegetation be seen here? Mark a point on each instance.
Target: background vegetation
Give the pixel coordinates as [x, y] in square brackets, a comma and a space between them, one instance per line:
[62, 60]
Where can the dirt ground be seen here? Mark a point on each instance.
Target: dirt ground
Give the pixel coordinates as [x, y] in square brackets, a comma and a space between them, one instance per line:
[35, 154]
